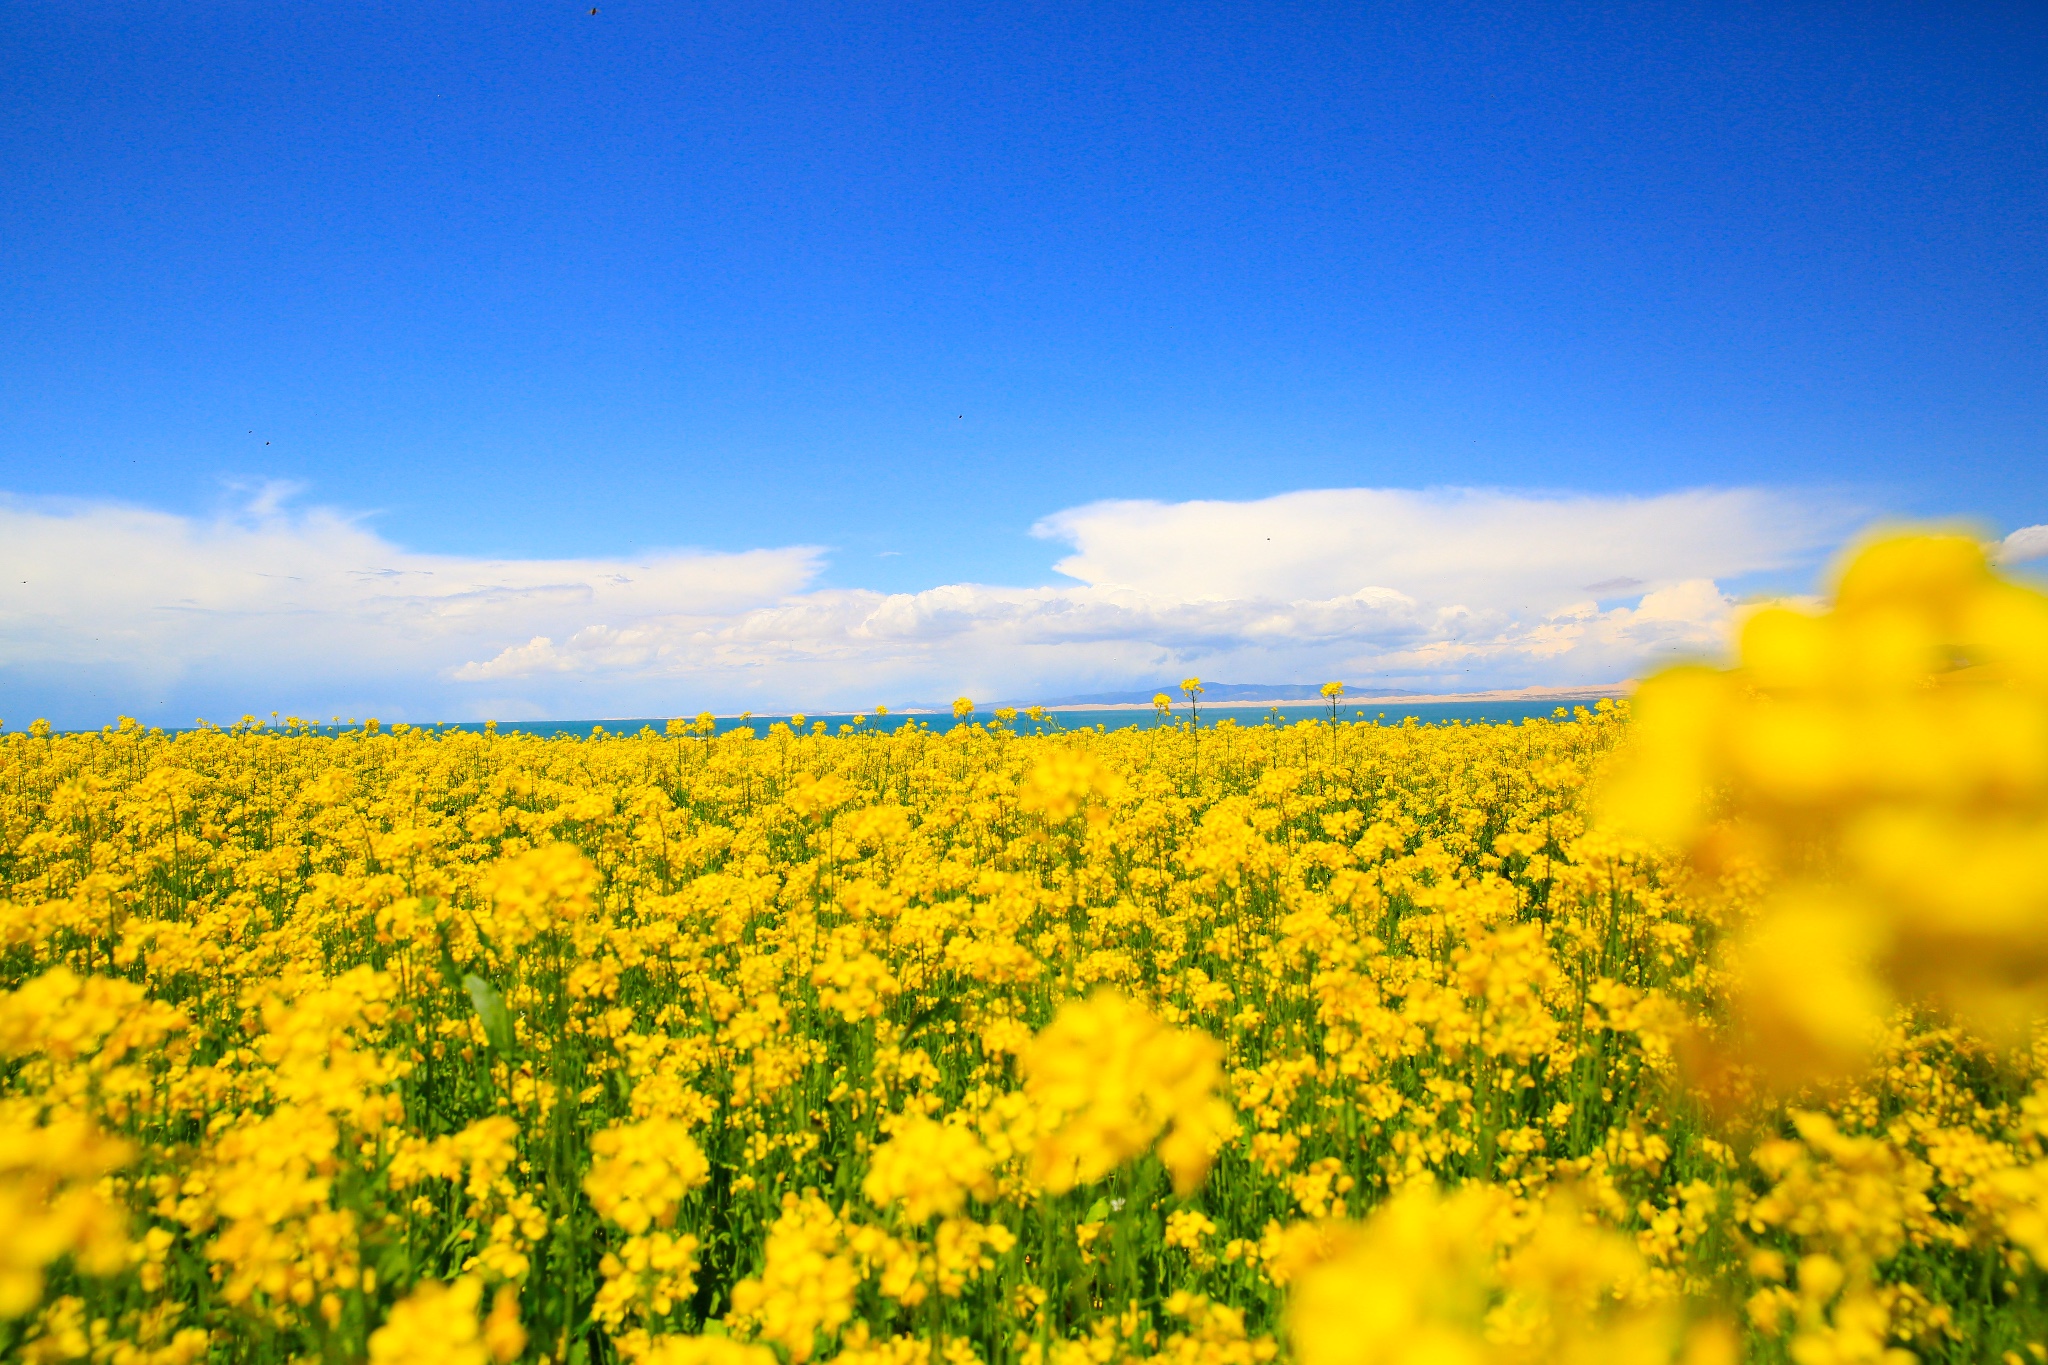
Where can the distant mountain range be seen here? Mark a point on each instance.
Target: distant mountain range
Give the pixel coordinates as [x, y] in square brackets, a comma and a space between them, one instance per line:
[1218, 692]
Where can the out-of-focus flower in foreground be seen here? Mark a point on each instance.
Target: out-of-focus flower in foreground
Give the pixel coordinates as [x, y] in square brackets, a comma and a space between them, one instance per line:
[437, 1325]
[703, 1351]
[807, 1281]
[929, 1167]
[1108, 1078]
[51, 1204]
[1467, 1278]
[1870, 781]
[1065, 781]
[642, 1171]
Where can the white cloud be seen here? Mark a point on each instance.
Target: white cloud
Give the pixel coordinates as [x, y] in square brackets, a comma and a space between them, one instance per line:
[2029, 542]
[269, 605]
[1474, 546]
[1446, 589]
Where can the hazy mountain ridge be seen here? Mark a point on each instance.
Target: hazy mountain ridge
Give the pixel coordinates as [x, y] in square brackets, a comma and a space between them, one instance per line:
[1217, 692]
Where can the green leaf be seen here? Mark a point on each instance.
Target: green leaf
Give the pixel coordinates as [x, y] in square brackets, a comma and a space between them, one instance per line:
[1097, 1211]
[490, 1009]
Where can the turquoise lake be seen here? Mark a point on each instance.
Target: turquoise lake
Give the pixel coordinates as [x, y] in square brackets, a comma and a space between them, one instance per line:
[1423, 713]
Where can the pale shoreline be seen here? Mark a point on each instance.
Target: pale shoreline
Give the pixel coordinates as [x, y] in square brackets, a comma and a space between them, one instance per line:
[1367, 702]
[1359, 702]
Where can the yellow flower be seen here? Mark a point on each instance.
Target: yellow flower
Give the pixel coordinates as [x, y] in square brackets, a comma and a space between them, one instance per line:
[929, 1168]
[1413, 1285]
[248, 953]
[1807, 988]
[1108, 1079]
[538, 892]
[1878, 771]
[702, 1351]
[811, 796]
[504, 1337]
[437, 1325]
[806, 1283]
[51, 1202]
[1458, 1278]
[1191, 1231]
[1064, 781]
[642, 1171]
[647, 1276]
[964, 1249]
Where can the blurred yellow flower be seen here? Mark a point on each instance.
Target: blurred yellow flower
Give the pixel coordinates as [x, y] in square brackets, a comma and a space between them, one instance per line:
[1065, 781]
[1881, 765]
[51, 1202]
[1108, 1079]
[438, 1323]
[928, 1168]
[642, 1171]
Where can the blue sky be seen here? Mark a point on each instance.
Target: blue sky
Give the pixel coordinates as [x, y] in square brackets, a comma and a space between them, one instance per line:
[798, 315]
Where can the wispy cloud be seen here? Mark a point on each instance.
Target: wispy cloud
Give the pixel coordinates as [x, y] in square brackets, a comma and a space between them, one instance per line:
[1463, 588]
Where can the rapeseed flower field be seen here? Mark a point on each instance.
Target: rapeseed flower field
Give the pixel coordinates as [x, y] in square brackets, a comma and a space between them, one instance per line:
[1697, 1029]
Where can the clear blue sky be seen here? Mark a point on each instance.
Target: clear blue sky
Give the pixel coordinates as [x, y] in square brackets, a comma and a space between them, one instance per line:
[901, 280]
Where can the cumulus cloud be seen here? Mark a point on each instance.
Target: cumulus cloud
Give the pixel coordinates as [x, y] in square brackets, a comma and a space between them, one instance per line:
[1441, 589]
[1478, 547]
[2027, 543]
[269, 603]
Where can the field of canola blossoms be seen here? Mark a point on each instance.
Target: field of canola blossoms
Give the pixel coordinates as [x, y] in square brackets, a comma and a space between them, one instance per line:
[1330, 1042]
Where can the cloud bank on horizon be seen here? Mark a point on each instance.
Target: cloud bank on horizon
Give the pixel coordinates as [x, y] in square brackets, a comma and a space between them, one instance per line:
[109, 608]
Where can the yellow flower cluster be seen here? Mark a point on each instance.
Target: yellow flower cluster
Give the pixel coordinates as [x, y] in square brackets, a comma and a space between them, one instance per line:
[1207, 1043]
[929, 1168]
[437, 1325]
[1460, 1280]
[1874, 773]
[51, 1205]
[807, 1284]
[1108, 1079]
[640, 1172]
